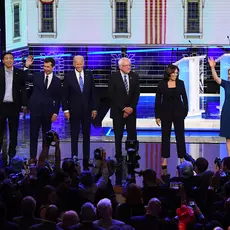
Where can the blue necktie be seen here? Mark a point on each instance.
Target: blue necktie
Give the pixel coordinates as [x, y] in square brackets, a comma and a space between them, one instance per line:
[126, 84]
[81, 83]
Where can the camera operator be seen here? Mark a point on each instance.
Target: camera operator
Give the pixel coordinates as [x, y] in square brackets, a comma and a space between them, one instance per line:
[92, 181]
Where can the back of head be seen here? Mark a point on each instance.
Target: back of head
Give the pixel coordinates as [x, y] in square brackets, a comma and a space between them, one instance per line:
[88, 212]
[104, 208]
[28, 206]
[186, 169]
[69, 218]
[154, 207]
[201, 164]
[149, 177]
[86, 178]
[133, 194]
[226, 163]
[52, 213]
[68, 166]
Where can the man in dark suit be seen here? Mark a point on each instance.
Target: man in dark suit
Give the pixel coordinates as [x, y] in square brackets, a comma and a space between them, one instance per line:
[44, 103]
[12, 96]
[124, 94]
[79, 106]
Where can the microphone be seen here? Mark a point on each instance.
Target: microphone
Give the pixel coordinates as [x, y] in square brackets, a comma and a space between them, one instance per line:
[228, 40]
[190, 42]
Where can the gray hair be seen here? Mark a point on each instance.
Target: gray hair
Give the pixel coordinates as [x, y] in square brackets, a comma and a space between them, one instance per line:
[78, 57]
[88, 212]
[121, 60]
[104, 206]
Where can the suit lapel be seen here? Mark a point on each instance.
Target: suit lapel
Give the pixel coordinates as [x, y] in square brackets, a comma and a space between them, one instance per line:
[121, 81]
[86, 81]
[3, 80]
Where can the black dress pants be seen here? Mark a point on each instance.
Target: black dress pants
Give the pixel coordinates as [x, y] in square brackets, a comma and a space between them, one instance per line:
[36, 122]
[118, 126]
[85, 123]
[10, 113]
[166, 127]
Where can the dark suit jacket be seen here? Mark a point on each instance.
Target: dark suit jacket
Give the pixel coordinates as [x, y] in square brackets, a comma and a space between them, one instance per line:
[25, 223]
[85, 226]
[19, 88]
[118, 96]
[79, 103]
[165, 105]
[44, 101]
[46, 225]
[147, 222]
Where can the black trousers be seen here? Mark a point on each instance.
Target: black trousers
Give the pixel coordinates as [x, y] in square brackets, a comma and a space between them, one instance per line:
[36, 122]
[10, 113]
[166, 127]
[85, 123]
[118, 126]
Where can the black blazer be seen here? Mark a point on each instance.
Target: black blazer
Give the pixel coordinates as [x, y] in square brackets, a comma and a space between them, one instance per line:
[44, 101]
[165, 106]
[118, 96]
[19, 88]
[79, 103]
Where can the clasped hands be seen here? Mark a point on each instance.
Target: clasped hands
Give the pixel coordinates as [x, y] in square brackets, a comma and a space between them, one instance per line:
[127, 111]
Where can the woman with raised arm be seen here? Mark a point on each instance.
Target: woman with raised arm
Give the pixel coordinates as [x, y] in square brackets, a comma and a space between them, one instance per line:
[225, 112]
[171, 106]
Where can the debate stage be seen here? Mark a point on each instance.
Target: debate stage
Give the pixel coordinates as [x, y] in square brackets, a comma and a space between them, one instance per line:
[202, 136]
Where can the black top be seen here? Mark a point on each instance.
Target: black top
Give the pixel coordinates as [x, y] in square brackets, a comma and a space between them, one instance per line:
[171, 102]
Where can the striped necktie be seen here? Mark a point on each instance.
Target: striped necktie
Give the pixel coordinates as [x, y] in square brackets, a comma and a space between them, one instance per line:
[81, 83]
[126, 84]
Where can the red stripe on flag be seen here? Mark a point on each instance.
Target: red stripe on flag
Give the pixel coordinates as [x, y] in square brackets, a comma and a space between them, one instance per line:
[151, 21]
[165, 17]
[156, 26]
[151, 156]
[160, 11]
[146, 21]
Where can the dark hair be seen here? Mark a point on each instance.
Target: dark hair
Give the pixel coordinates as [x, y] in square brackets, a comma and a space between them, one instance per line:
[133, 194]
[226, 162]
[201, 164]
[86, 178]
[169, 70]
[49, 59]
[7, 53]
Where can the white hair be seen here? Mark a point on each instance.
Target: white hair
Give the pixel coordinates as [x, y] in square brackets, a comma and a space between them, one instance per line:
[120, 61]
[79, 57]
[104, 207]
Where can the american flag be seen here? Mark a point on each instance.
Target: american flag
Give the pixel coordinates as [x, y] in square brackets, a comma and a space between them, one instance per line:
[153, 157]
[155, 21]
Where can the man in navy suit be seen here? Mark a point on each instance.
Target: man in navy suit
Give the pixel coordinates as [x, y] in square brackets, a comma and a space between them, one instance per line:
[79, 106]
[44, 102]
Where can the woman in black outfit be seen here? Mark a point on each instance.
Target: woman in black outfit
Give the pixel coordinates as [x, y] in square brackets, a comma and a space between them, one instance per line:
[171, 106]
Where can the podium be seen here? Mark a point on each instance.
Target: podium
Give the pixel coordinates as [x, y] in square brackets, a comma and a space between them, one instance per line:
[224, 66]
[192, 73]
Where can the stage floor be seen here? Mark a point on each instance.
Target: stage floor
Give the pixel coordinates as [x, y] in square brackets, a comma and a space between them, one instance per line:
[202, 137]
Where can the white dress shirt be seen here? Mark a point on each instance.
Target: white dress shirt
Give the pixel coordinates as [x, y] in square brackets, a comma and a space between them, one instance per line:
[78, 76]
[50, 77]
[8, 97]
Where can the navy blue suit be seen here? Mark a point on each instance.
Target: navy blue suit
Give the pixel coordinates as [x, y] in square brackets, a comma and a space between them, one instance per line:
[80, 105]
[42, 105]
